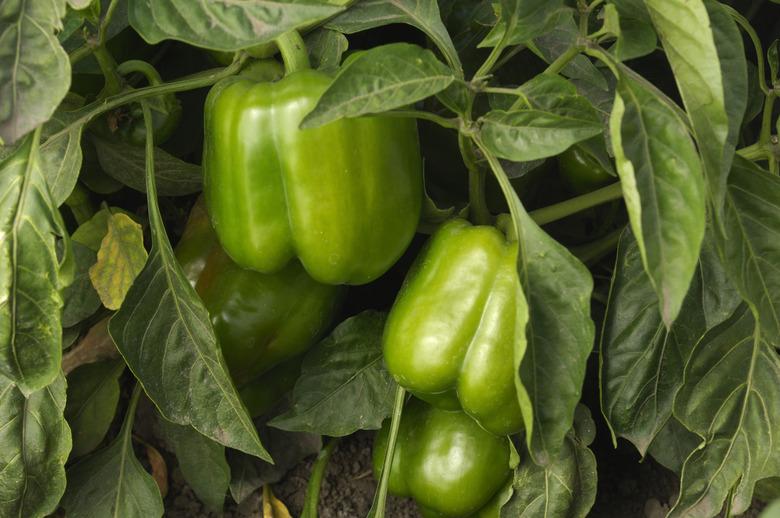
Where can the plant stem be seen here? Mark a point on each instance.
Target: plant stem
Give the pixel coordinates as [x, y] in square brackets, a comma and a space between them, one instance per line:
[80, 53]
[106, 21]
[380, 497]
[745, 25]
[193, 82]
[566, 208]
[478, 209]
[108, 67]
[563, 60]
[593, 252]
[312, 497]
[293, 52]
[127, 426]
[451, 123]
[501, 90]
[766, 123]
[141, 67]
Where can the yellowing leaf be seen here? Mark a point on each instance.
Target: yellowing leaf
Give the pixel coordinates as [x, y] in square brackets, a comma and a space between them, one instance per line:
[119, 261]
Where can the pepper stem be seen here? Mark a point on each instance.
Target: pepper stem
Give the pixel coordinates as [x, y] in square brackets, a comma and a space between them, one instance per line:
[293, 52]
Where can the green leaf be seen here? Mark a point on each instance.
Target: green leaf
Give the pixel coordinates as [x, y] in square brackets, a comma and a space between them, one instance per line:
[325, 48]
[524, 20]
[34, 445]
[380, 79]
[705, 50]
[731, 399]
[558, 288]
[61, 155]
[773, 509]
[34, 69]
[641, 361]
[565, 488]
[30, 278]
[165, 335]
[558, 40]
[673, 444]
[421, 14]
[111, 482]
[201, 461]
[223, 26]
[80, 298]
[662, 186]
[288, 449]
[751, 242]
[93, 394]
[126, 163]
[120, 259]
[344, 386]
[556, 119]
[635, 37]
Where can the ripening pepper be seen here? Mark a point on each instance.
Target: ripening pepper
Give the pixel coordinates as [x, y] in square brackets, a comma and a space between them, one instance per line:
[263, 322]
[344, 198]
[443, 460]
[451, 332]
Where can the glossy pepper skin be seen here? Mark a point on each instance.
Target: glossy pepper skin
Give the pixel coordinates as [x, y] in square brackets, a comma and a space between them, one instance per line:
[344, 198]
[261, 320]
[445, 461]
[450, 334]
[581, 172]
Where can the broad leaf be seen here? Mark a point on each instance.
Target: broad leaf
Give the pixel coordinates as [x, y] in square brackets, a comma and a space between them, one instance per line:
[61, 155]
[34, 69]
[641, 362]
[30, 277]
[164, 333]
[201, 461]
[635, 37]
[223, 25]
[80, 300]
[558, 40]
[705, 50]
[558, 289]
[344, 386]
[325, 48]
[662, 186]
[751, 243]
[34, 445]
[126, 163]
[288, 449]
[565, 488]
[422, 14]
[731, 399]
[111, 482]
[380, 79]
[93, 394]
[524, 20]
[120, 259]
[524, 135]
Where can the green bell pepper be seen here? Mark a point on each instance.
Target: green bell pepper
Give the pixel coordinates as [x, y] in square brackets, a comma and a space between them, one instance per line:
[443, 460]
[345, 198]
[582, 172]
[261, 320]
[450, 334]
